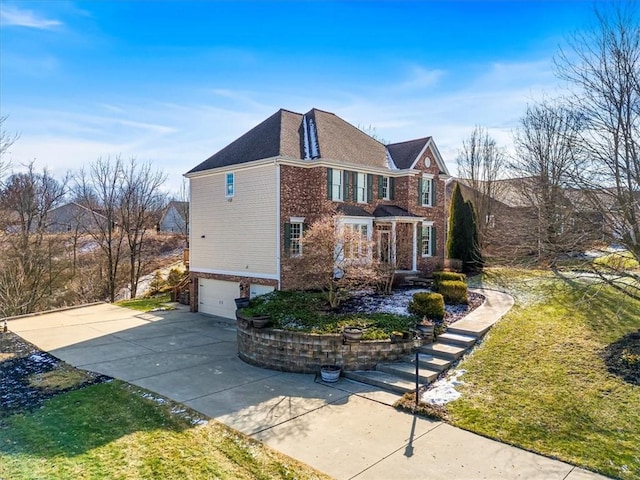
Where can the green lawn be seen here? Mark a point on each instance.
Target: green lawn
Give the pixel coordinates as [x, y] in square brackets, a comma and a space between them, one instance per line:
[116, 431]
[539, 381]
[147, 304]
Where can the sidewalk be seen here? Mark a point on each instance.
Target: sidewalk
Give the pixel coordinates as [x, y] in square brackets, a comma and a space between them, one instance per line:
[347, 430]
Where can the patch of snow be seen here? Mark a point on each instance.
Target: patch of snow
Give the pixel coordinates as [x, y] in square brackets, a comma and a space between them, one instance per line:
[88, 247]
[305, 131]
[443, 391]
[315, 152]
[38, 358]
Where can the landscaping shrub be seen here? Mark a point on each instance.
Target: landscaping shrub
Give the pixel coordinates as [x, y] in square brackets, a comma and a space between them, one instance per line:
[453, 291]
[439, 277]
[425, 304]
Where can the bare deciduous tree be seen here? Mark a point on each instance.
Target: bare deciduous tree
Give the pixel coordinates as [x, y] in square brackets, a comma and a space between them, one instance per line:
[122, 197]
[141, 198]
[335, 257]
[29, 266]
[100, 190]
[602, 65]
[548, 153]
[6, 141]
[480, 165]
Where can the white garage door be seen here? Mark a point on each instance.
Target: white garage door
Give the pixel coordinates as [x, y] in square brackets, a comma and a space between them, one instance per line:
[216, 297]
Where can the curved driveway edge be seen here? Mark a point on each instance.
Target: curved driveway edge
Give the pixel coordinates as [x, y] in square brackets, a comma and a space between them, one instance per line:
[347, 430]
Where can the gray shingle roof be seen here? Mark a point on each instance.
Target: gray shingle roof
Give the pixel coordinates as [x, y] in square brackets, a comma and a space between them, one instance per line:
[405, 153]
[353, 210]
[283, 134]
[391, 211]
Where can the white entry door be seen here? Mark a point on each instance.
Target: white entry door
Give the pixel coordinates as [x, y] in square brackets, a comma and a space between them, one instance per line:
[216, 297]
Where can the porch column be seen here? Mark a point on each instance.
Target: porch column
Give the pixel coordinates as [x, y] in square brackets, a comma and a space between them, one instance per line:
[415, 247]
[393, 244]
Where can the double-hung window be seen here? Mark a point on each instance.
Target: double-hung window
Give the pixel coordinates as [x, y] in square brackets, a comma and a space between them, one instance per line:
[384, 185]
[361, 188]
[295, 236]
[428, 240]
[293, 231]
[335, 184]
[230, 185]
[426, 192]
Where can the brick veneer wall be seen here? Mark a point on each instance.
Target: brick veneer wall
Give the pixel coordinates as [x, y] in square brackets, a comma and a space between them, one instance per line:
[304, 352]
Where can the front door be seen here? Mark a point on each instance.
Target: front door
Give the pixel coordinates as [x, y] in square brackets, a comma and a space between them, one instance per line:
[384, 245]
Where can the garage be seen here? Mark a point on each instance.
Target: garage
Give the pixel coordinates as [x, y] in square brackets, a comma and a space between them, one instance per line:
[216, 297]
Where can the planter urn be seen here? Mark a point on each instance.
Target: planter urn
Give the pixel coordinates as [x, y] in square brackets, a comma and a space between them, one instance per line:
[330, 373]
[352, 334]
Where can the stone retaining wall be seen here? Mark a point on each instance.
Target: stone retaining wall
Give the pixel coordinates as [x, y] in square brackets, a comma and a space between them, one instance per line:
[304, 352]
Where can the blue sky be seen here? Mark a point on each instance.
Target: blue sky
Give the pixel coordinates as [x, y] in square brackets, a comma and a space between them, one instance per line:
[175, 81]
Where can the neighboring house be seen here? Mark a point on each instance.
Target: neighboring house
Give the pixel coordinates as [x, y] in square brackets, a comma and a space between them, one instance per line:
[73, 218]
[251, 202]
[175, 218]
[512, 225]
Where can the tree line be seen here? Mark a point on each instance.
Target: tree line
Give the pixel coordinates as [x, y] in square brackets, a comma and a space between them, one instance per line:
[574, 153]
[116, 204]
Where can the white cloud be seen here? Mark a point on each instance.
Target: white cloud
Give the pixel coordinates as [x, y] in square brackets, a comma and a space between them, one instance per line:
[421, 78]
[13, 16]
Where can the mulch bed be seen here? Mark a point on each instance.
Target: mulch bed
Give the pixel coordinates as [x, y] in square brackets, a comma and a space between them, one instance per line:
[620, 364]
[19, 362]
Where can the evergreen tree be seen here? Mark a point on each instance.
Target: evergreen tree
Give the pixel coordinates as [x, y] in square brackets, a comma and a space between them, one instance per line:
[462, 241]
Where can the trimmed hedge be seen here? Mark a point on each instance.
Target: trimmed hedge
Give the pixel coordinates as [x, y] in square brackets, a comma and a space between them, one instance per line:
[426, 304]
[453, 291]
[439, 277]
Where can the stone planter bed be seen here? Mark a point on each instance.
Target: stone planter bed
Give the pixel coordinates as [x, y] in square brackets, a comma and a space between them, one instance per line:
[301, 352]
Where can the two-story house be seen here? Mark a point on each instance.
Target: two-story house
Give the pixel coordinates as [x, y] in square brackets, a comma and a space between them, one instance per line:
[252, 200]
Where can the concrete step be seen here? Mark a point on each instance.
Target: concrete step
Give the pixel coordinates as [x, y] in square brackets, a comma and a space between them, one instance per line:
[430, 362]
[381, 380]
[444, 350]
[466, 341]
[473, 331]
[408, 372]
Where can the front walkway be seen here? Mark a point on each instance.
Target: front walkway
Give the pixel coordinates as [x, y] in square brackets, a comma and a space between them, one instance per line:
[347, 430]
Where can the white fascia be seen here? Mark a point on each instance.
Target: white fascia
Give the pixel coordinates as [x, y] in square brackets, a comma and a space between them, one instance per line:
[442, 166]
[243, 273]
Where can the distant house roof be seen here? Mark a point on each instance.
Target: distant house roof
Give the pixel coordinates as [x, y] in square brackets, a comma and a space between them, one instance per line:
[181, 207]
[311, 136]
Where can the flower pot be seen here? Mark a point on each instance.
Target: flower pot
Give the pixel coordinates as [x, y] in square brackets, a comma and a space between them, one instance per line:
[330, 373]
[352, 334]
[242, 302]
[396, 337]
[260, 322]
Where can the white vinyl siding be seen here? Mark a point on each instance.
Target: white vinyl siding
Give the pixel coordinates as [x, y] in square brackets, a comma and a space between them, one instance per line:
[238, 236]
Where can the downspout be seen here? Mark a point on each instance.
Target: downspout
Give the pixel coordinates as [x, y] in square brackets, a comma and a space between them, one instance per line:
[278, 252]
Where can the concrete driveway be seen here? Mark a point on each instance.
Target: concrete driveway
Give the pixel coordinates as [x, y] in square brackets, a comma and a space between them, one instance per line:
[348, 430]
